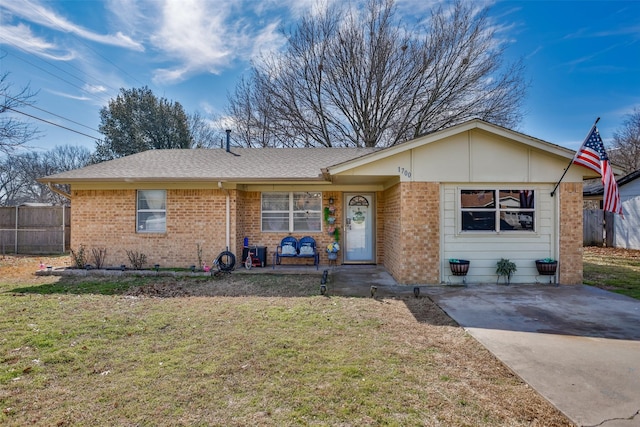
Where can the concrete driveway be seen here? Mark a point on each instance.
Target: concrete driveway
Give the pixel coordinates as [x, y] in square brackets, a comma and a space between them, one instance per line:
[578, 346]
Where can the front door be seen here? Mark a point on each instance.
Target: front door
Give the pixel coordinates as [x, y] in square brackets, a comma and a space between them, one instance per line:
[359, 230]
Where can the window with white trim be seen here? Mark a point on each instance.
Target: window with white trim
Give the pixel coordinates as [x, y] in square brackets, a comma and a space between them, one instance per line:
[151, 213]
[497, 210]
[292, 211]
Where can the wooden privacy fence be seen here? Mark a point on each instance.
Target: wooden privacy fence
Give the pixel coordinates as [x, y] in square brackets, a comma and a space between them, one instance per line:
[35, 229]
[597, 228]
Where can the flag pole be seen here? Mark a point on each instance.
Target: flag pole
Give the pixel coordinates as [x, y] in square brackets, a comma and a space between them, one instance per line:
[571, 161]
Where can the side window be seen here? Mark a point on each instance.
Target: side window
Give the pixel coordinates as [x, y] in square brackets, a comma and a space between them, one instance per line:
[151, 215]
[275, 211]
[292, 211]
[497, 210]
[478, 210]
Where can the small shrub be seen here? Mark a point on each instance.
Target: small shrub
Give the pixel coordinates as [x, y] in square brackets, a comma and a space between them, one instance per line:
[99, 255]
[505, 268]
[137, 259]
[79, 257]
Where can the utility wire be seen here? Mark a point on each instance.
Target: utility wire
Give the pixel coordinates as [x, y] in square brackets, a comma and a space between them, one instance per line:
[84, 43]
[52, 123]
[48, 112]
[58, 77]
[68, 63]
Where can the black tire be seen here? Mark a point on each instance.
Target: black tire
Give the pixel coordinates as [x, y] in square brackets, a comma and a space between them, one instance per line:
[226, 261]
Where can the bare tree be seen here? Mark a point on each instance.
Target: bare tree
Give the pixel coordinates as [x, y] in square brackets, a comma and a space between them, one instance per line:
[11, 184]
[625, 149]
[14, 132]
[18, 174]
[203, 135]
[365, 78]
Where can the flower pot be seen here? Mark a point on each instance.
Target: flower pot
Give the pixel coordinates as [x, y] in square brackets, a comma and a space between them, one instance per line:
[546, 268]
[332, 255]
[331, 219]
[459, 267]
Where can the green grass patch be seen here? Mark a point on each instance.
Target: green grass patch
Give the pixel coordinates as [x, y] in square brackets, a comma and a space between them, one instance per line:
[243, 350]
[615, 270]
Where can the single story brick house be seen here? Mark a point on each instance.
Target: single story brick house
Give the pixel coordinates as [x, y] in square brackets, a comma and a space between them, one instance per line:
[474, 191]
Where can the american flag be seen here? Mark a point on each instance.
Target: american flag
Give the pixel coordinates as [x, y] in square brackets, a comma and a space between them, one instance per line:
[593, 155]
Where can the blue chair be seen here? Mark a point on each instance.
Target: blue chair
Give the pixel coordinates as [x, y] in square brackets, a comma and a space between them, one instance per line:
[307, 249]
[288, 248]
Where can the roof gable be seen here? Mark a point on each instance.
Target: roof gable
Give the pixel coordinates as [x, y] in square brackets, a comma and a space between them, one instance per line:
[474, 151]
[551, 149]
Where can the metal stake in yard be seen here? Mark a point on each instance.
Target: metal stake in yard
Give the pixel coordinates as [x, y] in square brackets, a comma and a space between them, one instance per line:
[323, 282]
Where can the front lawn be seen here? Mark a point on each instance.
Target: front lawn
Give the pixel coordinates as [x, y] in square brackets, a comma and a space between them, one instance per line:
[616, 270]
[242, 350]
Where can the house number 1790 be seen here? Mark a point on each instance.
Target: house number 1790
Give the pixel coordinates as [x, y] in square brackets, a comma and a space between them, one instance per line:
[405, 172]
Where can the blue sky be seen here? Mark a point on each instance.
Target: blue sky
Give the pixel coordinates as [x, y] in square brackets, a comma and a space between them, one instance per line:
[582, 57]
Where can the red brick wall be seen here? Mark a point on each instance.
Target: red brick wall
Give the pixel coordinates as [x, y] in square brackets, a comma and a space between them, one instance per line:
[107, 219]
[570, 263]
[380, 226]
[411, 230]
[392, 240]
[420, 232]
[250, 225]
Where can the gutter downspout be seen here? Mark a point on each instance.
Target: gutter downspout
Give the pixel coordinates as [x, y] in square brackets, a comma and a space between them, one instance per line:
[228, 215]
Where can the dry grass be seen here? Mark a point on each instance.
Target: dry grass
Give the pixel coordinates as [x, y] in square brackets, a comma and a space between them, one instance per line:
[241, 350]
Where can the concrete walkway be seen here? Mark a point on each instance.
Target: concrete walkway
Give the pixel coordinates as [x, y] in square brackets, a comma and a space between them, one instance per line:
[578, 346]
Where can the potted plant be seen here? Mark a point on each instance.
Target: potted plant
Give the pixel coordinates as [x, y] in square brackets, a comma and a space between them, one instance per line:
[332, 250]
[459, 267]
[505, 268]
[547, 266]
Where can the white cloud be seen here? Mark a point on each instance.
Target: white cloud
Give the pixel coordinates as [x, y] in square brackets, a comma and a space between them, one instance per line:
[94, 89]
[195, 34]
[205, 36]
[37, 13]
[70, 96]
[22, 37]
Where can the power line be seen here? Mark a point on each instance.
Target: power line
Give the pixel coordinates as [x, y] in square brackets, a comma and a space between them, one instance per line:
[84, 43]
[68, 63]
[56, 76]
[52, 123]
[48, 112]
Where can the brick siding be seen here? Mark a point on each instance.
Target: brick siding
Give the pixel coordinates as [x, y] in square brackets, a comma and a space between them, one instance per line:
[570, 263]
[107, 219]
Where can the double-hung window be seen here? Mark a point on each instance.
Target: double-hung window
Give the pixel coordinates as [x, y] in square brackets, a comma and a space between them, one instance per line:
[151, 214]
[497, 210]
[292, 211]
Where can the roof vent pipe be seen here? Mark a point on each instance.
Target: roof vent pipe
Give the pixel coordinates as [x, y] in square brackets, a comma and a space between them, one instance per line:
[228, 140]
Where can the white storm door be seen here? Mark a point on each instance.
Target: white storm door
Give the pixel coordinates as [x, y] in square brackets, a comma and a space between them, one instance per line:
[359, 230]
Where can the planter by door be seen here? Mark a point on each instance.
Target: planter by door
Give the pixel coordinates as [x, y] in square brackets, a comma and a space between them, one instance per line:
[459, 267]
[546, 268]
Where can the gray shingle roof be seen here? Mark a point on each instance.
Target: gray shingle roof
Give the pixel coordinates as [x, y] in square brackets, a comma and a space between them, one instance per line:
[594, 187]
[241, 164]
